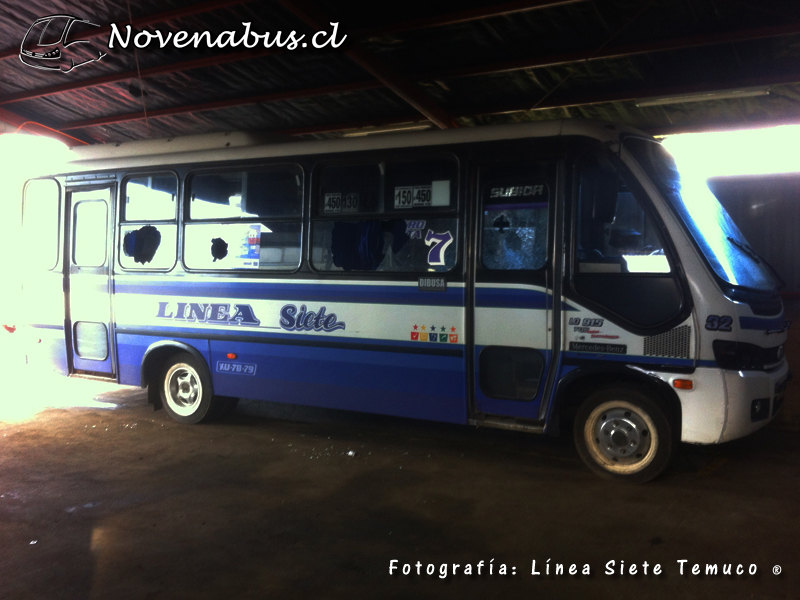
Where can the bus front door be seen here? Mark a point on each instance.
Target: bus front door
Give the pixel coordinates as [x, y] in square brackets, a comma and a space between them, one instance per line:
[513, 275]
[88, 280]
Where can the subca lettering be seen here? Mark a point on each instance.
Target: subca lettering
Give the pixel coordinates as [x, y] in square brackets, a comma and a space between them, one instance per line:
[242, 314]
[306, 320]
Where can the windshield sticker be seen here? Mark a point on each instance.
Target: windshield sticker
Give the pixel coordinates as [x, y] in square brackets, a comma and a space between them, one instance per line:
[439, 243]
[414, 229]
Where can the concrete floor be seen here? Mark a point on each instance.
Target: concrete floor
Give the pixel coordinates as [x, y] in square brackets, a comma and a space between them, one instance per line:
[103, 498]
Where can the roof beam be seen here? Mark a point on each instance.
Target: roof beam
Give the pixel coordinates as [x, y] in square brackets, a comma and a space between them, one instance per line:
[707, 39]
[401, 86]
[575, 101]
[464, 16]
[532, 63]
[186, 65]
[13, 119]
[206, 106]
[168, 15]
[632, 95]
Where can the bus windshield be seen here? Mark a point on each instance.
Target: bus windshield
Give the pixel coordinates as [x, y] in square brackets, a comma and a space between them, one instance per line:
[718, 237]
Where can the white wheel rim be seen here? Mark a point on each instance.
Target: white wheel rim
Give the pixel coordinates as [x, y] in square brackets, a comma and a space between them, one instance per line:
[183, 389]
[621, 437]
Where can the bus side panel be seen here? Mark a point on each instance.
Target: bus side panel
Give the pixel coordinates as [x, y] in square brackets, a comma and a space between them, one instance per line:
[131, 349]
[46, 347]
[405, 384]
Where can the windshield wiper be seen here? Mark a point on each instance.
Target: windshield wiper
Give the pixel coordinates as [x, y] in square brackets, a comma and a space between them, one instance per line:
[745, 248]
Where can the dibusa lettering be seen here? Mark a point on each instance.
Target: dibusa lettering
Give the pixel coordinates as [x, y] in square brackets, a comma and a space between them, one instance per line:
[306, 320]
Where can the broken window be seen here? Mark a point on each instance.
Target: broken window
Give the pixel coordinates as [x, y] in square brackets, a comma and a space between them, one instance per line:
[245, 219]
[391, 216]
[516, 203]
[148, 236]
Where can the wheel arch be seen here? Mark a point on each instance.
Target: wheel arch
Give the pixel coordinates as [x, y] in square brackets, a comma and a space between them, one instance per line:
[156, 354]
[580, 383]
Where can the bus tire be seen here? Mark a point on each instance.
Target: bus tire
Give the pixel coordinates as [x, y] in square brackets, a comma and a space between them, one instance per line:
[185, 388]
[622, 434]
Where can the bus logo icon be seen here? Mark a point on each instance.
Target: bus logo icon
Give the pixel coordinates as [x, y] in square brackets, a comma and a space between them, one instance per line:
[58, 43]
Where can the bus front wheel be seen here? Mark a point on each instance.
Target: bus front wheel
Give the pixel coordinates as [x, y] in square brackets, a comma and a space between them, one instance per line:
[186, 392]
[621, 434]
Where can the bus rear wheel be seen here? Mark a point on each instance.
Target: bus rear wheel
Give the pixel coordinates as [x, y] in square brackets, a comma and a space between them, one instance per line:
[622, 434]
[186, 392]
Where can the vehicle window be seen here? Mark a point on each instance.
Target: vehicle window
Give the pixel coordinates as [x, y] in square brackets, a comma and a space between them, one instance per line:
[91, 217]
[53, 30]
[41, 223]
[395, 216]
[716, 234]
[245, 220]
[145, 240]
[150, 197]
[614, 232]
[516, 202]
[246, 195]
[270, 246]
[79, 31]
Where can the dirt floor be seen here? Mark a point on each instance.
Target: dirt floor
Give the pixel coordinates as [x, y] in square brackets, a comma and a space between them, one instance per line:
[103, 498]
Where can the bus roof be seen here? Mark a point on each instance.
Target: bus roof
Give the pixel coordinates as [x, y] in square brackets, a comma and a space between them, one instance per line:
[243, 146]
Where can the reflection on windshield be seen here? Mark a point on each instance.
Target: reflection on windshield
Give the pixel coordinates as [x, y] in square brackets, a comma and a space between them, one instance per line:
[719, 239]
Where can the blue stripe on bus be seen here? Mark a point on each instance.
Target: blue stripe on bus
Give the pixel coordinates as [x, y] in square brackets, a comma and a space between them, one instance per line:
[368, 294]
[237, 334]
[762, 324]
[632, 358]
[331, 292]
[406, 385]
[513, 298]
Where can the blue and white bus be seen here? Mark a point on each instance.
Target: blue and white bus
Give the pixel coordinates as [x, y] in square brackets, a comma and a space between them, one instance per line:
[518, 277]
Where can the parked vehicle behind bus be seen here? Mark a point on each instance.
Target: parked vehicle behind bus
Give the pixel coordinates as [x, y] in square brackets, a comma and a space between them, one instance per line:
[517, 277]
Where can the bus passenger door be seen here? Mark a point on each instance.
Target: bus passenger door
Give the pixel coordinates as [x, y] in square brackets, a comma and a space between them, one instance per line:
[88, 282]
[513, 271]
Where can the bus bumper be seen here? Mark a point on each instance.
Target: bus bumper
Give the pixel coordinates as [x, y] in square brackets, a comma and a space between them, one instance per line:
[727, 405]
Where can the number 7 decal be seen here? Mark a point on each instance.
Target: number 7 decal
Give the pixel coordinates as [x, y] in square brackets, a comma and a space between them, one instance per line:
[440, 243]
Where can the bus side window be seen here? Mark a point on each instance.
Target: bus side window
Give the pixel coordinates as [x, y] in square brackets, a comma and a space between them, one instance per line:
[41, 223]
[245, 219]
[149, 231]
[516, 204]
[615, 234]
[620, 265]
[394, 217]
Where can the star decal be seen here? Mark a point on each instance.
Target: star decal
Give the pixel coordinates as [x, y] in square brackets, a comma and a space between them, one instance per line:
[415, 327]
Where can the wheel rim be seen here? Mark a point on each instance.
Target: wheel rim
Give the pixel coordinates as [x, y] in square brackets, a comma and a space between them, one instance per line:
[183, 389]
[621, 437]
